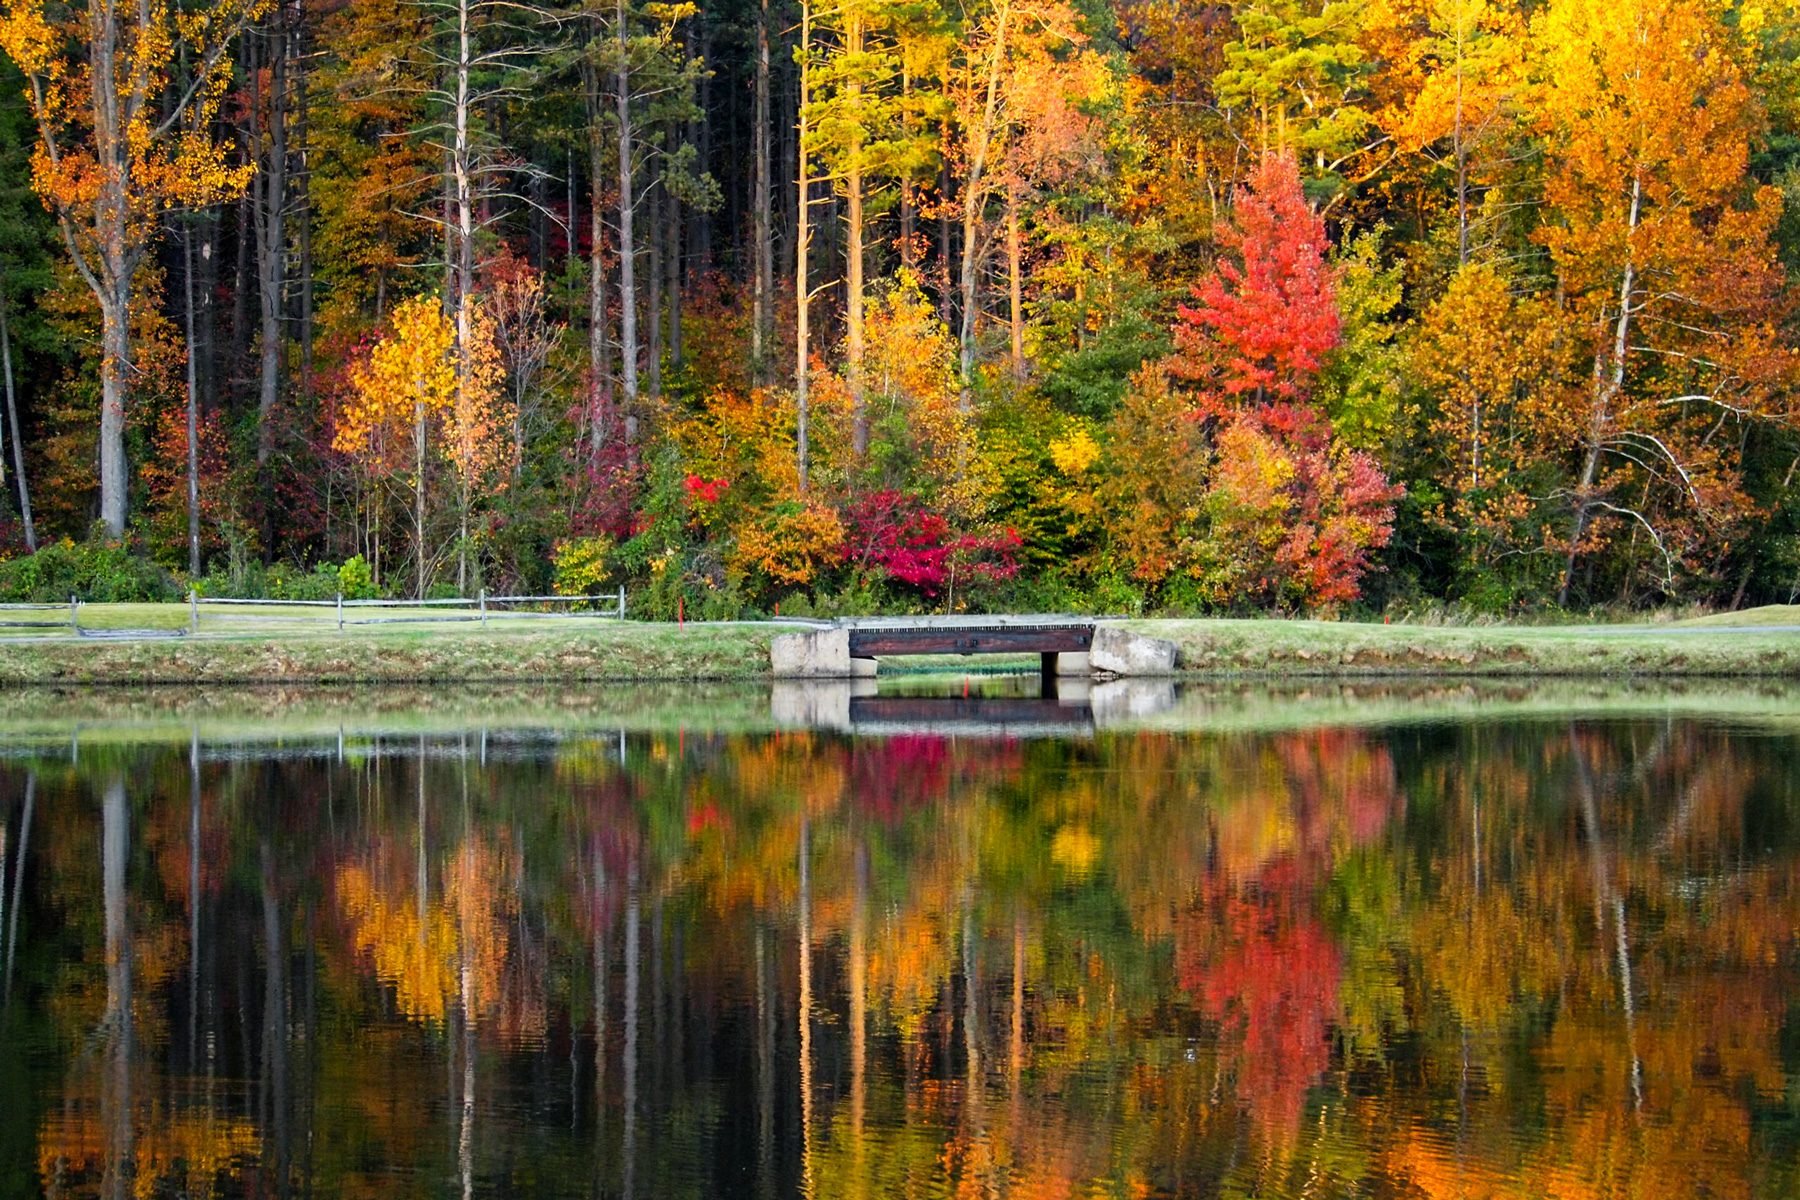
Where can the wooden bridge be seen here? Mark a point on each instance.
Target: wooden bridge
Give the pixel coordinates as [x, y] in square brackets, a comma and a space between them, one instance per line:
[1065, 646]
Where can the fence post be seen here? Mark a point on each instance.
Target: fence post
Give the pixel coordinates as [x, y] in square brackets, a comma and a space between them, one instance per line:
[340, 603]
[482, 600]
[193, 611]
[74, 614]
[621, 602]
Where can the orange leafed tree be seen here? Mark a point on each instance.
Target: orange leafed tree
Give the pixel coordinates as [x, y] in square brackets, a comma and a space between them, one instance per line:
[1664, 249]
[478, 426]
[125, 98]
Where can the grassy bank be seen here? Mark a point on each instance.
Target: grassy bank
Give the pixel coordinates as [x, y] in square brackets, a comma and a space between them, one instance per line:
[523, 652]
[1764, 643]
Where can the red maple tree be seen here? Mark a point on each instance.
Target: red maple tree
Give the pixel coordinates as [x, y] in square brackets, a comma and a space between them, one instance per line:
[1268, 313]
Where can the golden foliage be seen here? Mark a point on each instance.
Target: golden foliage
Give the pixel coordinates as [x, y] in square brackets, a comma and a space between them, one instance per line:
[408, 374]
[478, 421]
[791, 542]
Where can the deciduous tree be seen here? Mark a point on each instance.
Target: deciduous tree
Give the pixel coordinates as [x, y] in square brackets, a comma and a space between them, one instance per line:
[125, 98]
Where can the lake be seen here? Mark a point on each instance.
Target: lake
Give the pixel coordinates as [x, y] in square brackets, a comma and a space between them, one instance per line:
[945, 940]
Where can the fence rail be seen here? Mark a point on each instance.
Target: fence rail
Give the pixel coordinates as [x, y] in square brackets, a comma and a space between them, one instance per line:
[441, 611]
[66, 615]
[478, 608]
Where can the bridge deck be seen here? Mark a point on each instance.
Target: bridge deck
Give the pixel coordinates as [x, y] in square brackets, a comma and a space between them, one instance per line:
[1036, 638]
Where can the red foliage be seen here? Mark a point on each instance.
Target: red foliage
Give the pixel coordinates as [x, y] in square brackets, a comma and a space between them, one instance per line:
[1266, 320]
[703, 490]
[1347, 508]
[608, 478]
[894, 533]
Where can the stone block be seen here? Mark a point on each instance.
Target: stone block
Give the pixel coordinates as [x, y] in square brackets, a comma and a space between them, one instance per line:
[863, 668]
[817, 654]
[1073, 663]
[1117, 651]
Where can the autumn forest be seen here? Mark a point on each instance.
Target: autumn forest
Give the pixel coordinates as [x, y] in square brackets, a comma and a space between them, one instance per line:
[841, 307]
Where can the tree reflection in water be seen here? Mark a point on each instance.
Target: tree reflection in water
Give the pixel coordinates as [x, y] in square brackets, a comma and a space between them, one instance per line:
[1456, 959]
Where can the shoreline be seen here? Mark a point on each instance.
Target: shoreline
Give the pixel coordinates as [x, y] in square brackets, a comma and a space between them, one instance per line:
[1208, 650]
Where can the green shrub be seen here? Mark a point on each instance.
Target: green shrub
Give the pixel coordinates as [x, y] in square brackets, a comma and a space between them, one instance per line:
[583, 566]
[284, 582]
[97, 571]
[355, 579]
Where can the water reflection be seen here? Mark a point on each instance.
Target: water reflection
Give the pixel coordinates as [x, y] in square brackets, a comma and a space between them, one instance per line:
[1530, 958]
[994, 706]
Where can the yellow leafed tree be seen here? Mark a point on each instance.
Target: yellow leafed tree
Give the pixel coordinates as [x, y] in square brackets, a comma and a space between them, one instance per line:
[411, 372]
[411, 378]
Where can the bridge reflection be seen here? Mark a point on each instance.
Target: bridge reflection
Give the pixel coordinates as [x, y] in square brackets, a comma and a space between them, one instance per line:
[1076, 708]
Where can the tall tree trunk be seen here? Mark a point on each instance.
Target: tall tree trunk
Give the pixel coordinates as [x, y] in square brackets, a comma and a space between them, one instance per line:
[463, 164]
[674, 262]
[763, 292]
[1609, 383]
[302, 184]
[571, 255]
[854, 39]
[945, 287]
[242, 286]
[1015, 283]
[908, 215]
[1462, 155]
[628, 333]
[599, 359]
[653, 302]
[419, 498]
[974, 197]
[802, 243]
[115, 360]
[270, 203]
[206, 316]
[193, 406]
[12, 422]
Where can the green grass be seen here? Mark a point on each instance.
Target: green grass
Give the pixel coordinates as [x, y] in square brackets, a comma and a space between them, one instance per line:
[305, 646]
[517, 650]
[1319, 648]
[1769, 614]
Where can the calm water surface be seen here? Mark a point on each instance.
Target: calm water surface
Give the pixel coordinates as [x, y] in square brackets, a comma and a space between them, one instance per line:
[983, 955]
